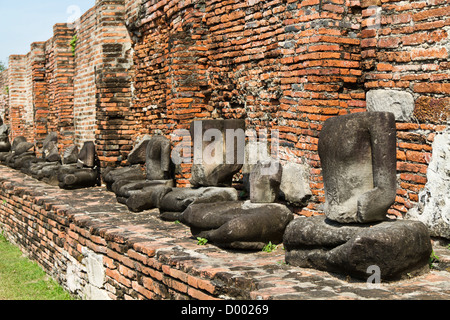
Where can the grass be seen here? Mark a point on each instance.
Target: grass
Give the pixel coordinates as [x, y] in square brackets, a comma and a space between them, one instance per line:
[22, 279]
[269, 247]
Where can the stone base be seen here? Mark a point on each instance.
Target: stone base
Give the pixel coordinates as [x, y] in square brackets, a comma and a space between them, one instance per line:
[238, 224]
[398, 248]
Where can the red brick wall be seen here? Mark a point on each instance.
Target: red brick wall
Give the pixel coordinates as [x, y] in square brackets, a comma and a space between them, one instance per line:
[59, 70]
[84, 96]
[115, 120]
[405, 46]
[17, 96]
[284, 66]
[102, 82]
[4, 96]
[148, 66]
[84, 78]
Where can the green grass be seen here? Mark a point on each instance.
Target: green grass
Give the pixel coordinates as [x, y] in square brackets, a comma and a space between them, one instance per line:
[22, 279]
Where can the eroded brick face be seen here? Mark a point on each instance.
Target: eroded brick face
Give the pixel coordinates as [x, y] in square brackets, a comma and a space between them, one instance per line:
[146, 67]
[405, 47]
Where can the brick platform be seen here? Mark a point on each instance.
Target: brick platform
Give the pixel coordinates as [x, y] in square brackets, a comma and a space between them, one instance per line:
[143, 257]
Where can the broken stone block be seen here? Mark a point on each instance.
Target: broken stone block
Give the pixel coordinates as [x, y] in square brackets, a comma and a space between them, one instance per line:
[433, 208]
[219, 148]
[358, 158]
[22, 147]
[125, 189]
[70, 155]
[398, 248]
[294, 185]
[139, 152]
[51, 152]
[238, 224]
[113, 175]
[87, 158]
[265, 180]
[400, 103]
[158, 162]
[21, 152]
[180, 198]
[147, 198]
[254, 151]
[5, 144]
[85, 173]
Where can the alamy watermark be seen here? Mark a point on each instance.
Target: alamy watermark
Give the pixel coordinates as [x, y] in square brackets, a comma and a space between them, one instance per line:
[215, 147]
[73, 21]
[374, 280]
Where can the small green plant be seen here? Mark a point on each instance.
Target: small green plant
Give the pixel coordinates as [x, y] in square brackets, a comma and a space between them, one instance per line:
[6, 89]
[202, 241]
[73, 44]
[177, 222]
[269, 247]
[433, 258]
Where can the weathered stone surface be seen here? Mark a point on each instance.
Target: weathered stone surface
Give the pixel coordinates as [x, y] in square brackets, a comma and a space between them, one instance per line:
[70, 155]
[134, 187]
[112, 175]
[254, 151]
[238, 224]
[50, 152]
[180, 198]
[5, 144]
[158, 162]
[87, 156]
[17, 141]
[23, 147]
[85, 173]
[397, 248]
[319, 231]
[400, 103]
[433, 208]
[146, 198]
[213, 165]
[265, 180]
[358, 157]
[52, 136]
[139, 152]
[294, 185]
[78, 178]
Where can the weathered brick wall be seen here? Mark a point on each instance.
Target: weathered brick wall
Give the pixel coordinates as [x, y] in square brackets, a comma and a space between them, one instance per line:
[4, 95]
[290, 65]
[284, 66]
[17, 97]
[59, 73]
[37, 93]
[102, 82]
[83, 96]
[87, 59]
[405, 47]
[148, 66]
[115, 120]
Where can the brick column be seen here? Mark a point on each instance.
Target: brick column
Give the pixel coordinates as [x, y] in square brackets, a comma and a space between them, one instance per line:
[17, 94]
[115, 129]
